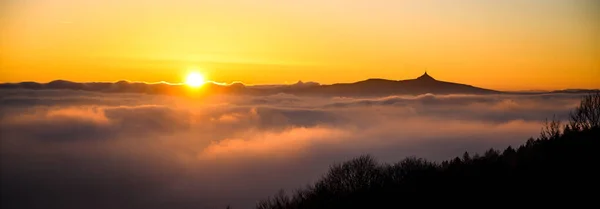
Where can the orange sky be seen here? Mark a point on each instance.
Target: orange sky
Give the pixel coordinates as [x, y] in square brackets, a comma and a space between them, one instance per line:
[504, 45]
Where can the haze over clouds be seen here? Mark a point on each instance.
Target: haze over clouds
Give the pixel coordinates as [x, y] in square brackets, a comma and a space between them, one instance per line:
[75, 149]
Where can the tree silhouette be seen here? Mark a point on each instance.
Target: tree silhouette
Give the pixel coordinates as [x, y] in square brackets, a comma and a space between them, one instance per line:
[558, 165]
[466, 157]
[587, 114]
[550, 130]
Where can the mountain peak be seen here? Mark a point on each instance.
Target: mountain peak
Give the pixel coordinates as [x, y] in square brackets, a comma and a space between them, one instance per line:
[425, 76]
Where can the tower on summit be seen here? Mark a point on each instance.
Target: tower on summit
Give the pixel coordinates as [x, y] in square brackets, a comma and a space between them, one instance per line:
[425, 76]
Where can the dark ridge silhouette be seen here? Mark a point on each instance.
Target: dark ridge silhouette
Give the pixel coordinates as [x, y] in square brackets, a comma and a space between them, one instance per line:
[586, 91]
[382, 87]
[560, 166]
[371, 87]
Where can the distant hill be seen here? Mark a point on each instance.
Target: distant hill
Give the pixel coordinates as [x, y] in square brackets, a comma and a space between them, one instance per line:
[586, 91]
[370, 87]
[382, 87]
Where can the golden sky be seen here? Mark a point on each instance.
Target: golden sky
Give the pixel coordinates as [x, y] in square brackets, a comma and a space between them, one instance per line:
[504, 45]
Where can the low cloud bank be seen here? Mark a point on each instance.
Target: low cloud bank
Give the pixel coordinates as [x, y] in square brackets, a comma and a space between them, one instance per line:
[73, 149]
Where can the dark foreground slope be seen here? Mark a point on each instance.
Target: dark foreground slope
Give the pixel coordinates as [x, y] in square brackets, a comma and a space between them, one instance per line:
[561, 166]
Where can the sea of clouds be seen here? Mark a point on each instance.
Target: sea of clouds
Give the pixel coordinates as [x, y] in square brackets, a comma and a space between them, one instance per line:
[76, 149]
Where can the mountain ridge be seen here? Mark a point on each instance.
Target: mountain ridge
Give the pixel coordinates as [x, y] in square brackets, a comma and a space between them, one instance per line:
[370, 87]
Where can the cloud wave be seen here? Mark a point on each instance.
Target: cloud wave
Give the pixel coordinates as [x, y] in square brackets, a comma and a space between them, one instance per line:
[73, 149]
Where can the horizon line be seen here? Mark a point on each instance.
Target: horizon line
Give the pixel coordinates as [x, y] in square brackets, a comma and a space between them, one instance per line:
[286, 83]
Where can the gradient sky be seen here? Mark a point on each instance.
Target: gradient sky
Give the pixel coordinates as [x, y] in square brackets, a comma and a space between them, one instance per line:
[505, 45]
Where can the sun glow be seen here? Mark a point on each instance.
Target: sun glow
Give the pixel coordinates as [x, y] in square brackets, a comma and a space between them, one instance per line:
[194, 79]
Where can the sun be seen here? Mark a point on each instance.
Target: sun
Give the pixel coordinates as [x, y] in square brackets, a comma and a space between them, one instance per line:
[194, 79]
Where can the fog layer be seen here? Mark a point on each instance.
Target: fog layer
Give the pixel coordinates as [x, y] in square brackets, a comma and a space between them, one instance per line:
[73, 149]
